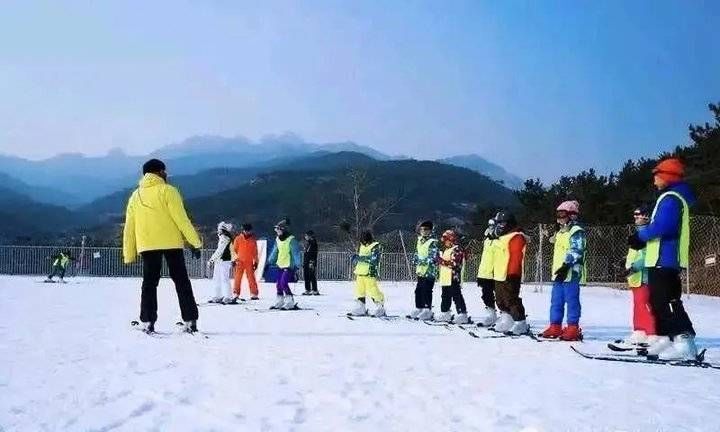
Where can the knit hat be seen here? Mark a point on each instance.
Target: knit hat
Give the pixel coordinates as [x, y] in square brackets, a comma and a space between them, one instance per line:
[283, 224]
[427, 224]
[247, 227]
[670, 170]
[153, 166]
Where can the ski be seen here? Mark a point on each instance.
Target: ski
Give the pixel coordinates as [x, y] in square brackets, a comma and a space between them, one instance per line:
[195, 333]
[296, 308]
[383, 318]
[136, 326]
[699, 363]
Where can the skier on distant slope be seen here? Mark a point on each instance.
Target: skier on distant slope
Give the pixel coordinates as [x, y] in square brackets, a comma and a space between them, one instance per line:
[485, 275]
[508, 258]
[155, 225]
[426, 268]
[246, 261]
[366, 273]
[452, 261]
[222, 261]
[568, 266]
[286, 256]
[310, 257]
[60, 263]
[667, 242]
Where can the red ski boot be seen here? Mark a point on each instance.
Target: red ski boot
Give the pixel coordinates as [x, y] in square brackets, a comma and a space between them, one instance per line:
[571, 333]
[552, 332]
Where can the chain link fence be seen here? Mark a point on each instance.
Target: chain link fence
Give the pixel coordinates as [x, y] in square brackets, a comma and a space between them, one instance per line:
[607, 247]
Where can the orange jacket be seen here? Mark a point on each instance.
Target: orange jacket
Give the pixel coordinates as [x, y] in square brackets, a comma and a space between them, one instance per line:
[246, 248]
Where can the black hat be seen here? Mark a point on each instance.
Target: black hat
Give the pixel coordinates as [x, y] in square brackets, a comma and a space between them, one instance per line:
[283, 224]
[426, 224]
[246, 227]
[153, 166]
[366, 237]
[311, 233]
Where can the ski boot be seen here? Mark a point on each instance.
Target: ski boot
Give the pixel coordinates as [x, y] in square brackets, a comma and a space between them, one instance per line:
[636, 339]
[444, 317]
[461, 318]
[254, 298]
[572, 333]
[148, 327]
[360, 309]
[230, 300]
[415, 313]
[279, 302]
[553, 331]
[660, 344]
[379, 311]
[489, 319]
[307, 293]
[425, 315]
[683, 348]
[216, 300]
[190, 326]
[504, 323]
[519, 328]
[289, 303]
[316, 292]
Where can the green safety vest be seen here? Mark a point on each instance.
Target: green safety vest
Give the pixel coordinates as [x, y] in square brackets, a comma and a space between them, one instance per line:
[635, 279]
[501, 256]
[652, 249]
[562, 245]
[363, 268]
[284, 257]
[445, 271]
[485, 269]
[423, 251]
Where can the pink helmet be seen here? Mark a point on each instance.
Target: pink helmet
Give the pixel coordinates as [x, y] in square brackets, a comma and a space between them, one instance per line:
[570, 207]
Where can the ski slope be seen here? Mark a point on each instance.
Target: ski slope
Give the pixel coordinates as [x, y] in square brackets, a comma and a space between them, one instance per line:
[71, 362]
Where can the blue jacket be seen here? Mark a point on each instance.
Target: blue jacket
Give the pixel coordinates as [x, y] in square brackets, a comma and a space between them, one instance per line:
[666, 225]
[295, 255]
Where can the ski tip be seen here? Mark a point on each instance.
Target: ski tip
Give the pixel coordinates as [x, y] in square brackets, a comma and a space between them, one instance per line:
[701, 355]
[134, 323]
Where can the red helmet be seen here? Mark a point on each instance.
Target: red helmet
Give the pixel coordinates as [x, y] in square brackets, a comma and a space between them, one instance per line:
[449, 235]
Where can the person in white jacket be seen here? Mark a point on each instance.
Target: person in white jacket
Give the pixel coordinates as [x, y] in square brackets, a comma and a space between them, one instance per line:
[222, 261]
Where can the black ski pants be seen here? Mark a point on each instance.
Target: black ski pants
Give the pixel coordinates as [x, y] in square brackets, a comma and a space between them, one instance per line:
[508, 298]
[665, 292]
[152, 266]
[57, 270]
[488, 292]
[424, 292]
[310, 277]
[450, 294]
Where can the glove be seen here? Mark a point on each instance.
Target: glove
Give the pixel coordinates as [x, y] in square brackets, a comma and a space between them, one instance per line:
[562, 272]
[209, 263]
[355, 258]
[627, 272]
[195, 252]
[634, 242]
[255, 266]
[311, 265]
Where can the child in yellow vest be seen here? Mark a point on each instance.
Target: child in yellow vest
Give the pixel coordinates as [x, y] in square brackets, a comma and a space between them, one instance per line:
[426, 268]
[286, 256]
[452, 260]
[485, 276]
[366, 274]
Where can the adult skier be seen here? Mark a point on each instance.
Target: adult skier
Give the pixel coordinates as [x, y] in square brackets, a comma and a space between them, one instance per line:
[366, 274]
[286, 256]
[60, 263]
[155, 225]
[508, 258]
[667, 247]
[568, 267]
[246, 261]
[452, 261]
[485, 275]
[643, 321]
[426, 260]
[221, 261]
[310, 258]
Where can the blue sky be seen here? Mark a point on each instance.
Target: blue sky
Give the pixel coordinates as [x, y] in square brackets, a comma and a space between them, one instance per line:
[543, 88]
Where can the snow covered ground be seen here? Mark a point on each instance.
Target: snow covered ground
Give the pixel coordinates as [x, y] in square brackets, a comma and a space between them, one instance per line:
[70, 362]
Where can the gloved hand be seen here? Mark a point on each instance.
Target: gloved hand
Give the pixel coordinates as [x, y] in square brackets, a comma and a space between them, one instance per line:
[355, 258]
[311, 265]
[635, 242]
[562, 272]
[209, 264]
[195, 252]
[478, 281]
[627, 272]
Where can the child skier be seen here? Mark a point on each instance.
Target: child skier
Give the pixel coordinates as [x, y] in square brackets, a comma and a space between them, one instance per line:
[246, 261]
[426, 268]
[60, 262]
[568, 268]
[637, 278]
[452, 261]
[221, 261]
[485, 275]
[366, 272]
[508, 258]
[286, 256]
[310, 257]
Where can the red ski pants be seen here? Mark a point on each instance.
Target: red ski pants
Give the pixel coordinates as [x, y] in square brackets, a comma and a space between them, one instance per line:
[643, 318]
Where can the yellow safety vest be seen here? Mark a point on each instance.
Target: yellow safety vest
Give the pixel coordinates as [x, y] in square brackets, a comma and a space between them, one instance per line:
[635, 279]
[446, 271]
[501, 256]
[423, 251]
[652, 253]
[362, 268]
[284, 257]
[485, 269]
[562, 245]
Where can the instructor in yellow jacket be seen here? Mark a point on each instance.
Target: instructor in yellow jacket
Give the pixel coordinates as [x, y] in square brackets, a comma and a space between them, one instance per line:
[156, 226]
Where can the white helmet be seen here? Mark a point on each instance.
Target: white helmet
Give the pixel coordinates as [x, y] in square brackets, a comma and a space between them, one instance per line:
[224, 226]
